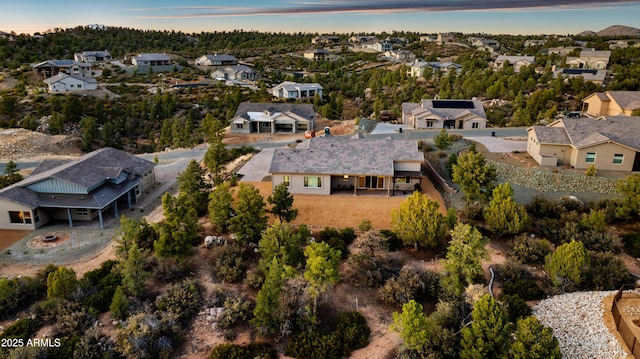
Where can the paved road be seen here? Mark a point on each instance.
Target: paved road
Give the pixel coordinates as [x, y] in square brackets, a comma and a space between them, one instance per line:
[426, 134]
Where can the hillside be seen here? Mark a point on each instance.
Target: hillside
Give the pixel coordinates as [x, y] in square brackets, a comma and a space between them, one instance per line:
[614, 30]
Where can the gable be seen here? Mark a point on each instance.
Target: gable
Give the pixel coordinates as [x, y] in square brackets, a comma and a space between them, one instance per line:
[55, 185]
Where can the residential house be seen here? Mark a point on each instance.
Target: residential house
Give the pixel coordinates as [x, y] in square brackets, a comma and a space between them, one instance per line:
[63, 83]
[514, 61]
[273, 117]
[418, 67]
[400, 55]
[596, 76]
[610, 143]
[50, 68]
[6, 35]
[379, 46]
[289, 89]
[235, 73]
[565, 50]
[319, 55]
[448, 114]
[152, 62]
[326, 165]
[590, 60]
[534, 42]
[611, 103]
[92, 56]
[99, 183]
[325, 40]
[485, 43]
[216, 60]
[445, 38]
[357, 39]
[428, 38]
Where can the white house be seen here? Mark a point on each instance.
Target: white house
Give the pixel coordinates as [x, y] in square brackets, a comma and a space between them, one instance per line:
[418, 67]
[157, 62]
[239, 73]
[92, 56]
[289, 89]
[63, 83]
[400, 55]
[319, 55]
[216, 60]
[252, 117]
[514, 61]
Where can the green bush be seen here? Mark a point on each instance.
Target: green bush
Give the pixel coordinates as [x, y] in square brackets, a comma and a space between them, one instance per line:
[393, 243]
[339, 240]
[182, 299]
[542, 207]
[606, 272]
[23, 328]
[367, 271]
[526, 289]
[631, 243]
[235, 309]
[250, 351]
[515, 306]
[228, 264]
[352, 329]
[529, 250]
[410, 284]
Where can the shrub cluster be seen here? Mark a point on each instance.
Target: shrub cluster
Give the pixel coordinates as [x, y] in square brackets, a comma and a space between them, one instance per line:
[338, 239]
[249, 351]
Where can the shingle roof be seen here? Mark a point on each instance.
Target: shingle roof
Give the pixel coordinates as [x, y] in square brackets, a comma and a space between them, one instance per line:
[221, 57]
[153, 57]
[585, 132]
[61, 76]
[61, 63]
[628, 100]
[513, 59]
[339, 155]
[551, 135]
[303, 110]
[292, 86]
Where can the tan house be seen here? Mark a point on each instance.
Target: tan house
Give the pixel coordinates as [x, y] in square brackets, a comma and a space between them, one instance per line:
[610, 143]
[449, 114]
[611, 103]
[319, 55]
[590, 59]
[327, 165]
[516, 62]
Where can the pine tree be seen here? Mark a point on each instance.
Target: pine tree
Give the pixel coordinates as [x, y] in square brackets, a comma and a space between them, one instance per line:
[134, 275]
[220, 210]
[412, 325]
[488, 334]
[282, 203]
[418, 221]
[465, 253]
[265, 317]
[119, 304]
[61, 283]
[503, 214]
[250, 219]
[192, 188]
[567, 264]
[473, 174]
[321, 269]
[533, 341]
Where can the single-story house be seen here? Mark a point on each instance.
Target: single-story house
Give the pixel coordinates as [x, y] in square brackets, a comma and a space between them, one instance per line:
[238, 72]
[63, 82]
[379, 46]
[417, 67]
[260, 117]
[153, 62]
[590, 60]
[514, 61]
[400, 55]
[610, 143]
[92, 56]
[325, 39]
[326, 165]
[596, 76]
[448, 114]
[76, 190]
[216, 60]
[611, 103]
[70, 67]
[289, 89]
[319, 55]
[535, 42]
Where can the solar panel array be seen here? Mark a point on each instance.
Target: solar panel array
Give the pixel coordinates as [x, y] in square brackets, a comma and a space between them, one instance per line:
[453, 104]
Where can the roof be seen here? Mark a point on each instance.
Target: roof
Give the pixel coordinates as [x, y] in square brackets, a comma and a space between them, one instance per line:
[89, 172]
[628, 100]
[61, 63]
[445, 108]
[303, 110]
[292, 86]
[317, 51]
[234, 69]
[95, 53]
[586, 74]
[340, 155]
[513, 59]
[221, 57]
[435, 64]
[152, 57]
[61, 76]
[584, 53]
[587, 132]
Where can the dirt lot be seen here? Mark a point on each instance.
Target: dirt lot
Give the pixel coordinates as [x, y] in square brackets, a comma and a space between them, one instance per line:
[9, 237]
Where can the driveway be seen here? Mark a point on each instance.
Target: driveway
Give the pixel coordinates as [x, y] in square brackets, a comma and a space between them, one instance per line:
[258, 167]
[494, 144]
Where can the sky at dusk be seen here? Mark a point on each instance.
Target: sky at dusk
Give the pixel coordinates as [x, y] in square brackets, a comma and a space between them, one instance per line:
[325, 16]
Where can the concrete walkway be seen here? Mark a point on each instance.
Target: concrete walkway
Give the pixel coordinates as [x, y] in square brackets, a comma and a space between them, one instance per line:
[258, 167]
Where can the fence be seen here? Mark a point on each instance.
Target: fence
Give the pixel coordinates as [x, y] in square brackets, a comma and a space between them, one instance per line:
[633, 343]
[435, 177]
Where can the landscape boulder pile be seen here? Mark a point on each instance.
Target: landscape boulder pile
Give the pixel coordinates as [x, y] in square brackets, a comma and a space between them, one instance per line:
[577, 322]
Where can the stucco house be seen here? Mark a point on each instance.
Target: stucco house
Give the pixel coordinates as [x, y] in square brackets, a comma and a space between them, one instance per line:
[78, 190]
[92, 56]
[418, 67]
[216, 60]
[326, 165]
[400, 55]
[319, 55]
[448, 114]
[152, 62]
[63, 83]
[325, 39]
[514, 61]
[50, 68]
[289, 89]
[238, 73]
[590, 59]
[588, 75]
[261, 117]
[610, 143]
[611, 103]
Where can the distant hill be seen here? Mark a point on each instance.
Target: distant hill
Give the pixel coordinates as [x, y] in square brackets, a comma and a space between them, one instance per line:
[615, 30]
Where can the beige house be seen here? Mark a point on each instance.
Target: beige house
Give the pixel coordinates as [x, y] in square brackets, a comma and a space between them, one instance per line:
[611, 103]
[590, 59]
[327, 165]
[448, 114]
[514, 61]
[610, 143]
[319, 55]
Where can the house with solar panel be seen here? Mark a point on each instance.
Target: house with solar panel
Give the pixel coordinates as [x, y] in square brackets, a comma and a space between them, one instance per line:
[99, 184]
[610, 143]
[597, 77]
[50, 68]
[266, 117]
[447, 114]
[331, 165]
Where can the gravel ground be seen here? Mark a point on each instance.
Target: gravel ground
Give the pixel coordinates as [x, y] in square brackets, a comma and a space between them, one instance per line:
[494, 144]
[576, 320]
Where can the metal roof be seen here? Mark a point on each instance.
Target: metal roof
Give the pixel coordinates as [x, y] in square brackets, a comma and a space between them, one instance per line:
[153, 57]
[305, 111]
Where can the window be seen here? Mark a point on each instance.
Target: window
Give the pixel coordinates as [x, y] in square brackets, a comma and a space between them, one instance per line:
[429, 124]
[313, 182]
[591, 157]
[371, 182]
[137, 190]
[27, 217]
[36, 216]
[286, 180]
[475, 125]
[402, 180]
[239, 126]
[82, 212]
[16, 217]
[617, 158]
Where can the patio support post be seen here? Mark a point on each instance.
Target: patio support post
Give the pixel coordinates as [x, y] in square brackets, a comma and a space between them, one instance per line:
[115, 208]
[355, 185]
[69, 216]
[129, 198]
[389, 185]
[100, 216]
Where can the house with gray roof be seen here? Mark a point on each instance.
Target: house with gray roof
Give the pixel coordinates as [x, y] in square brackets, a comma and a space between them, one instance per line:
[99, 183]
[590, 59]
[588, 75]
[63, 83]
[290, 89]
[92, 56]
[154, 62]
[51, 68]
[216, 60]
[516, 62]
[234, 73]
[417, 67]
[265, 117]
[326, 165]
[448, 114]
[610, 143]
[611, 103]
